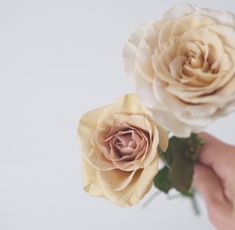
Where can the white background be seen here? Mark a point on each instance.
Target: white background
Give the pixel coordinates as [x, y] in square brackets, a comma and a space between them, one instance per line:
[59, 59]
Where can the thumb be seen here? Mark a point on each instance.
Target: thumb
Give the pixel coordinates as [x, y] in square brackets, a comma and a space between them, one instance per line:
[216, 155]
[209, 185]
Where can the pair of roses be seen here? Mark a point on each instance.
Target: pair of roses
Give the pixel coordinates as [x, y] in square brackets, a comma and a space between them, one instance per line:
[183, 70]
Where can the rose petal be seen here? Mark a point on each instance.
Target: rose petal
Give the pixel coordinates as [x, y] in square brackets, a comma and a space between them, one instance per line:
[140, 184]
[178, 11]
[115, 180]
[90, 182]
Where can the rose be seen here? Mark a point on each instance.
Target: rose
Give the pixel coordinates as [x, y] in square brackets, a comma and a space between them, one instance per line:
[119, 149]
[183, 67]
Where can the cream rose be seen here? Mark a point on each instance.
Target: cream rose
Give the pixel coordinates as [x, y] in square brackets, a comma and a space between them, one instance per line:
[183, 67]
[119, 148]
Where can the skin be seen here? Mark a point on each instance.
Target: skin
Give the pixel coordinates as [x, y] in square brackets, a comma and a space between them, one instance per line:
[214, 178]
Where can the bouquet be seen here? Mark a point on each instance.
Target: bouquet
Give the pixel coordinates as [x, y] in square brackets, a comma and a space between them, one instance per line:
[182, 68]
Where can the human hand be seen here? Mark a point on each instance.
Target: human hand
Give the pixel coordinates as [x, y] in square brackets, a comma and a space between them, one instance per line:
[214, 178]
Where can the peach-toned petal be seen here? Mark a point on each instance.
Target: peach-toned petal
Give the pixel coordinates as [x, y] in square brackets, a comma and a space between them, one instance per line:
[205, 36]
[115, 180]
[90, 182]
[177, 11]
[190, 21]
[163, 138]
[168, 121]
[97, 159]
[119, 146]
[193, 64]
[152, 154]
[138, 187]
[86, 129]
[222, 17]
[126, 104]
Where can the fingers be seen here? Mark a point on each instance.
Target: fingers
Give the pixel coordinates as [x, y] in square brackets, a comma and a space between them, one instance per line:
[215, 154]
[209, 185]
[213, 178]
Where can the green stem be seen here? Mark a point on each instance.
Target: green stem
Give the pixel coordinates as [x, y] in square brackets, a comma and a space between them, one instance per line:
[150, 199]
[195, 204]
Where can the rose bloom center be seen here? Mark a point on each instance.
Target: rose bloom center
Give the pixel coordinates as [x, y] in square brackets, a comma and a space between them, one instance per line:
[126, 144]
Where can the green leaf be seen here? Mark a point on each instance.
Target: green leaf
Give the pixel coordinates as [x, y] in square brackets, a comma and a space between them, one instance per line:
[180, 159]
[161, 180]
